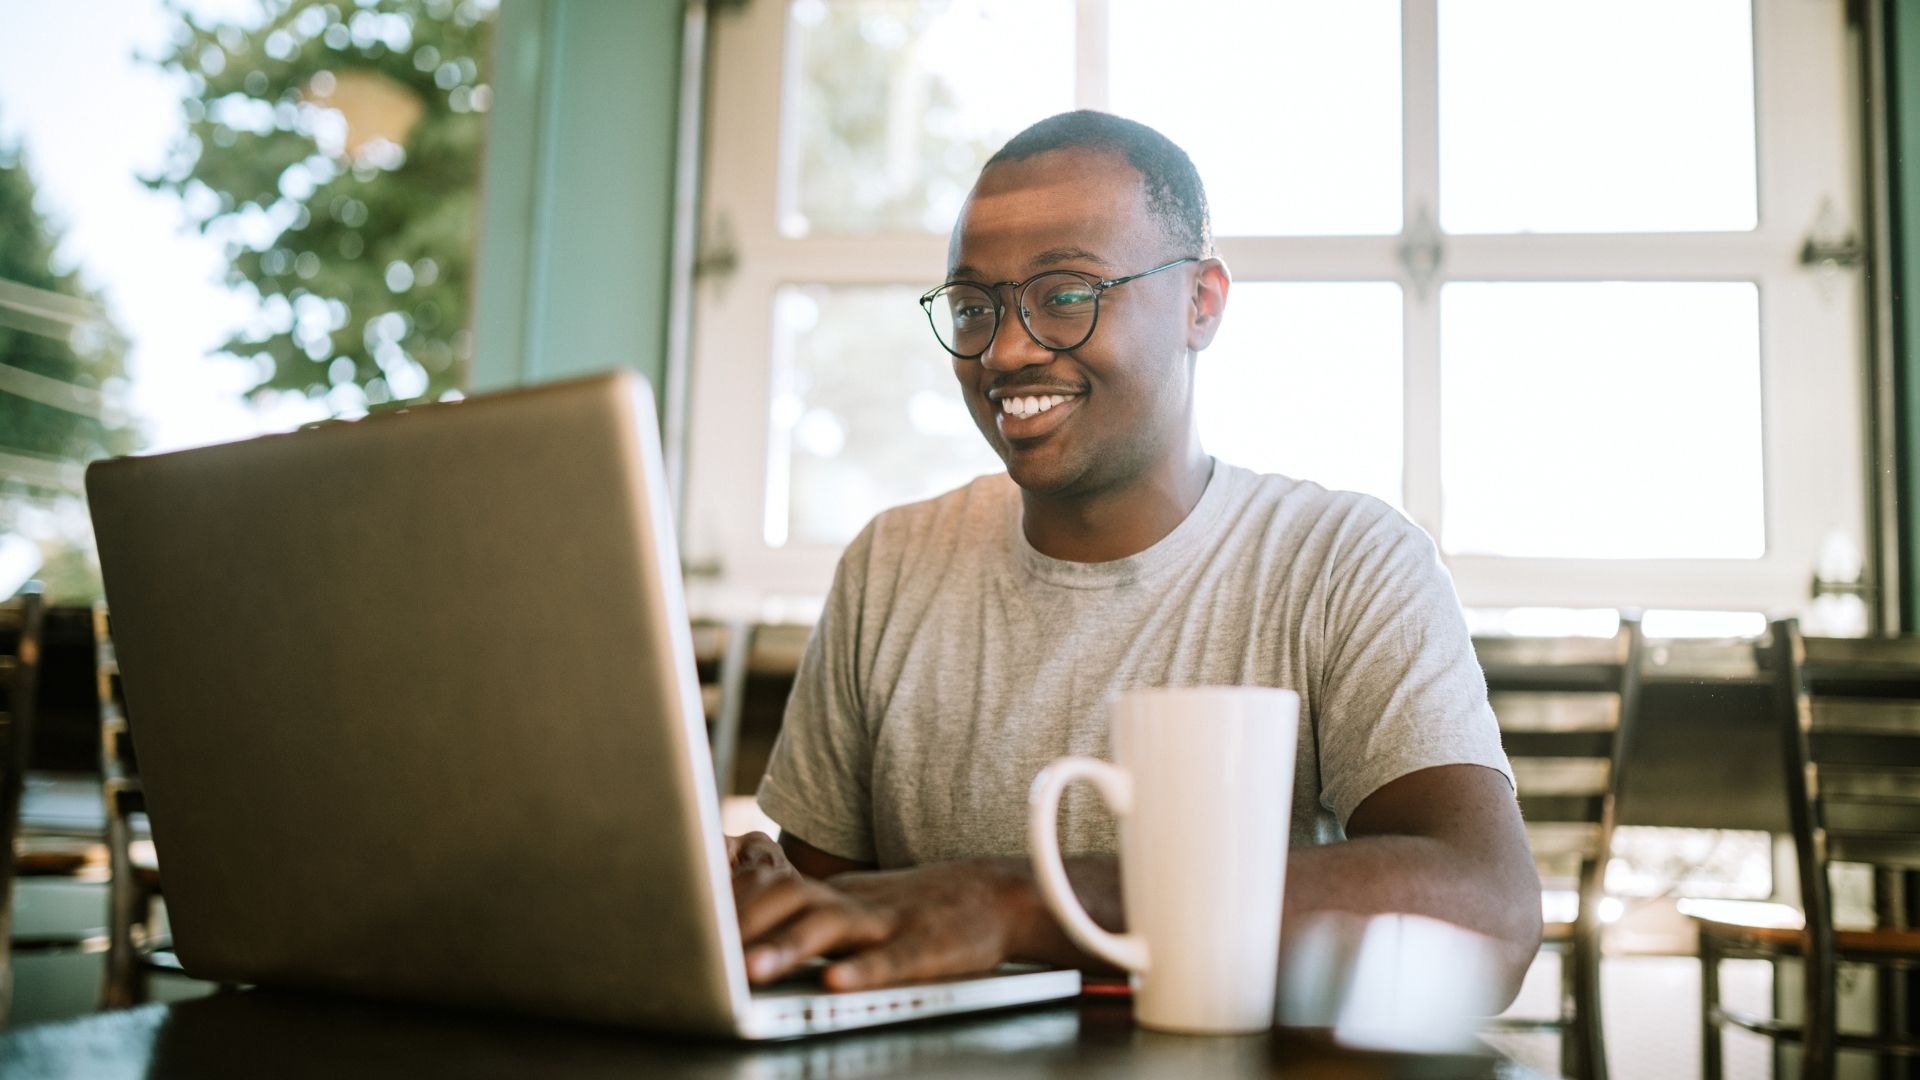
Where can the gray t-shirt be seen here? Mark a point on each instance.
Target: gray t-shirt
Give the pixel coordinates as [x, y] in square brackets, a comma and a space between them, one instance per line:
[953, 662]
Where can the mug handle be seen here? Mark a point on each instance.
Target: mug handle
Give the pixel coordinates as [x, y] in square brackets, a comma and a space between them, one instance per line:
[1127, 951]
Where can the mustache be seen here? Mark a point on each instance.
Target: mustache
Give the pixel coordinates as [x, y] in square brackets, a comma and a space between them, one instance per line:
[1027, 386]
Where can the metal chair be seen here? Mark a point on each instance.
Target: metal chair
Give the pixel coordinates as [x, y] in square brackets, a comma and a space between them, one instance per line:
[1568, 709]
[20, 622]
[57, 830]
[1848, 715]
[746, 671]
[134, 950]
[722, 650]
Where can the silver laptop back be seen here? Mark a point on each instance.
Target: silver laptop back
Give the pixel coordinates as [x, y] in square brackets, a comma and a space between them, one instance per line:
[414, 703]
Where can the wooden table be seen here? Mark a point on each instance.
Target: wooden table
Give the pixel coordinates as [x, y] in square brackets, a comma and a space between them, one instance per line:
[269, 1033]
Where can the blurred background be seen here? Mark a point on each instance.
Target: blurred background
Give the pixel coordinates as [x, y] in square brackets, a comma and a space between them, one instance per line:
[220, 219]
[1606, 296]
[1583, 289]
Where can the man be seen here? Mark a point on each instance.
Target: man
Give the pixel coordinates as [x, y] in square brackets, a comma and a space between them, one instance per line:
[970, 639]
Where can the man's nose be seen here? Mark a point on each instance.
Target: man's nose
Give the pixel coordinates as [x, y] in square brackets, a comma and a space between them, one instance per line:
[1012, 348]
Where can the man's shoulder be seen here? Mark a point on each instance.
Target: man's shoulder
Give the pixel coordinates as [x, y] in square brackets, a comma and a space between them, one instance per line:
[1307, 508]
[963, 515]
[983, 496]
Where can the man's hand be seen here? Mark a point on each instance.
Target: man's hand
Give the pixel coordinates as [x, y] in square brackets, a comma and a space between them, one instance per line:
[756, 851]
[889, 927]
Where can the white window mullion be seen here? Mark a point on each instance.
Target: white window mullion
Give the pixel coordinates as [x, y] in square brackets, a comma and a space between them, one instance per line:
[1812, 349]
[1090, 53]
[1420, 201]
[1419, 107]
[1310, 258]
[1486, 581]
[1422, 416]
[728, 437]
[834, 260]
[1737, 256]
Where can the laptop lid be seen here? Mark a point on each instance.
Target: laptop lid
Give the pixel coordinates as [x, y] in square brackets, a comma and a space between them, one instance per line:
[415, 708]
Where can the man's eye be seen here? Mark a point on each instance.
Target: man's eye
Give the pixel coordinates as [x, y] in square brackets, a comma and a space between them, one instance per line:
[967, 313]
[1069, 298]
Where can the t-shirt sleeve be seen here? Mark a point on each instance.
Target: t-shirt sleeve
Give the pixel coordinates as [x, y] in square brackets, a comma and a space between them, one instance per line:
[817, 784]
[1401, 688]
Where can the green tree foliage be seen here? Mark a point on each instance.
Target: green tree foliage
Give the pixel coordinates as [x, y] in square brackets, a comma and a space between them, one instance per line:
[359, 249]
[62, 380]
[867, 163]
[39, 338]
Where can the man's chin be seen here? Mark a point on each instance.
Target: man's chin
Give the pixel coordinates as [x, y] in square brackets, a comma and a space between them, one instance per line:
[1042, 474]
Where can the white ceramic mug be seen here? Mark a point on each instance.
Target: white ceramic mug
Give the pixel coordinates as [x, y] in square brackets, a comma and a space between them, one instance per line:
[1203, 789]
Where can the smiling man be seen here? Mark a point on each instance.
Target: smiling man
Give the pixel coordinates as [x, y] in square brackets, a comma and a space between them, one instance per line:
[971, 639]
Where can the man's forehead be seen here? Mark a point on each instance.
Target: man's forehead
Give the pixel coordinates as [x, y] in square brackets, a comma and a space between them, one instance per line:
[1032, 209]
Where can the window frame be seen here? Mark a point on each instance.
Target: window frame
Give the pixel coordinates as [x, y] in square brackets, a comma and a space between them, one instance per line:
[1812, 322]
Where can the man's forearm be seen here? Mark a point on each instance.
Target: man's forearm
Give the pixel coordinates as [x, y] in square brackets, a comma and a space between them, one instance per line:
[1370, 875]
[1036, 934]
[1420, 875]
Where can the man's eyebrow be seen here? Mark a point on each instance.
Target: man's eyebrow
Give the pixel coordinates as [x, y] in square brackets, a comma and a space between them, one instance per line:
[1056, 256]
[1050, 257]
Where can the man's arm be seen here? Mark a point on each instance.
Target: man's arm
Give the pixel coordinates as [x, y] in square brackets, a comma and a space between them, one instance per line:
[813, 862]
[1445, 842]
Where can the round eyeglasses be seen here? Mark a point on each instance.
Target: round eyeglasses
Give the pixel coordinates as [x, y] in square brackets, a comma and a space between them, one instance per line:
[1058, 308]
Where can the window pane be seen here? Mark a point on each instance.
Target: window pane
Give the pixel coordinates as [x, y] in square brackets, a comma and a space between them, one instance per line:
[1295, 125]
[898, 103]
[1602, 420]
[1304, 380]
[865, 412]
[1622, 116]
[328, 158]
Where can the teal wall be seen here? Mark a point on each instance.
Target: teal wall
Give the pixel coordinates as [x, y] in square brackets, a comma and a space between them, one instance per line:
[1903, 113]
[577, 200]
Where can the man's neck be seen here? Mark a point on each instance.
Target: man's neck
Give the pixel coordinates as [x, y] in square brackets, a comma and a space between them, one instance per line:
[1114, 525]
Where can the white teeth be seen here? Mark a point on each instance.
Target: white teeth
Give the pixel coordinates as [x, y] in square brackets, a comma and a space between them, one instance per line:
[1030, 406]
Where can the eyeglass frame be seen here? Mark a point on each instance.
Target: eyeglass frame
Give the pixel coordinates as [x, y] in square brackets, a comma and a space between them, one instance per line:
[1099, 287]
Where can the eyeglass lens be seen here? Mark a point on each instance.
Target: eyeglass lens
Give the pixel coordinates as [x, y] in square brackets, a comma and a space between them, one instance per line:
[1058, 310]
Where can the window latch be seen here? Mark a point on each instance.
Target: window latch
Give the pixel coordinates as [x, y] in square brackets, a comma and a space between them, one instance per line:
[1423, 249]
[1830, 247]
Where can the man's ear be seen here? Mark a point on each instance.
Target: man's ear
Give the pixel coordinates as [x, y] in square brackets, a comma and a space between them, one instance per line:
[1208, 303]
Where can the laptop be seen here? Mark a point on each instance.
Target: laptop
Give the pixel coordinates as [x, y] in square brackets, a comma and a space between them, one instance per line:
[416, 713]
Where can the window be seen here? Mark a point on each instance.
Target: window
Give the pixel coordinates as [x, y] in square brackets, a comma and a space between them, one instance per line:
[264, 215]
[1528, 271]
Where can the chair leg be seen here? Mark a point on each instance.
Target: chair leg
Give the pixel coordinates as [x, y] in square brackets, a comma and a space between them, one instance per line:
[1710, 1065]
[1586, 1027]
[1820, 973]
[6, 958]
[129, 909]
[1573, 1049]
[123, 984]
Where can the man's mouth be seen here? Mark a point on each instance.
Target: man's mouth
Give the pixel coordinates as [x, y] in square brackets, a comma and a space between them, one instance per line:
[1031, 416]
[1032, 405]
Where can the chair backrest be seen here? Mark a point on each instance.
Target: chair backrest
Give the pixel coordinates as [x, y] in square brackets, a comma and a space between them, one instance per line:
[119, 769]
[1850, 712]
[721, 650]
[1847, 713]
[20, 626]
[746, 674]
[1567, 708]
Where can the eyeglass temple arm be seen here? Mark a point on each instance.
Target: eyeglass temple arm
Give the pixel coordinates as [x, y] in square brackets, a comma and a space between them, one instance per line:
[1111, 282]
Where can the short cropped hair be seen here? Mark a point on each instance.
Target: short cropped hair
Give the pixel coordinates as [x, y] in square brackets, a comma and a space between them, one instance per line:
[1175, 195]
